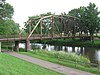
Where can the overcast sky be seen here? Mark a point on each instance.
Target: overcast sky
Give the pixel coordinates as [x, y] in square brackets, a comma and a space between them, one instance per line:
[25, 8]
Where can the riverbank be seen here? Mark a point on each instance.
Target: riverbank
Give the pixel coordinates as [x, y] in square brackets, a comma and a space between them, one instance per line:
[69, 60]
[71, 42]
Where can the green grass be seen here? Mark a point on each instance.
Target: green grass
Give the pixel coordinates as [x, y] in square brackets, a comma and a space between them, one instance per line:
[98, 35]
[70, 60]
[10, 65]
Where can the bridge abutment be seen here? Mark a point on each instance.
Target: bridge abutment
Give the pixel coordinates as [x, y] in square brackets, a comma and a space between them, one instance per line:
[27, 46]
[17, 46]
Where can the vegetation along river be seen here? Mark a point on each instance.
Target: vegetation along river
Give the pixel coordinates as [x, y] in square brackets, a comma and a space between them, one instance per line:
[93, 53]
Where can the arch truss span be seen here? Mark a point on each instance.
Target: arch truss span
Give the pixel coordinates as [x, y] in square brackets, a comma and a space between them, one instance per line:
[52, 26]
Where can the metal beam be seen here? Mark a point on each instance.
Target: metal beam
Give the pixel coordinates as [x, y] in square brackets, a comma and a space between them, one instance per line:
[34, 28]
[37, 25]
[41, 29]
[26, 24]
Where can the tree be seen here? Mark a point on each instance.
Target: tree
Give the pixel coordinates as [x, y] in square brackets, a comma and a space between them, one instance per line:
[2, 2]
[7, 25]
[79, 13]
[90, 22]
[6, 12]
[92, 19]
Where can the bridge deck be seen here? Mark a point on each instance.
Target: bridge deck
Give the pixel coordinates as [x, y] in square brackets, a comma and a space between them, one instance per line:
[38, 37]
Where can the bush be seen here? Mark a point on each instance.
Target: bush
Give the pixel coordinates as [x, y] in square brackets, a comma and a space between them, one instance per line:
[63, 56]
[21, 50]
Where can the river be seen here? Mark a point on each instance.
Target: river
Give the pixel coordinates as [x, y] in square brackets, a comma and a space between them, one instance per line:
[92, 53]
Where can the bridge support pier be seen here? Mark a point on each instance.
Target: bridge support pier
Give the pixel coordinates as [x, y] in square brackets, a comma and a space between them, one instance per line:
[17, 46]
[27, 46]
[0, 46]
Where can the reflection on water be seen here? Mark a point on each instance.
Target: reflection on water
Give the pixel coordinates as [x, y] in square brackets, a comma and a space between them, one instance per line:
[22, 45]
[92, 53]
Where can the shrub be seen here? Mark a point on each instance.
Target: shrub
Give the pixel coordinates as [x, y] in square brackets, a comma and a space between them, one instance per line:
[64, 56]
[21, 50]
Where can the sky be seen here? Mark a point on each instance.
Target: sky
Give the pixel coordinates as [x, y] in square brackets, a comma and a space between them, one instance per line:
[25, 8]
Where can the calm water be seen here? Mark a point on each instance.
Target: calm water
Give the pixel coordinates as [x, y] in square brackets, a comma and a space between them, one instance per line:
[92, 53]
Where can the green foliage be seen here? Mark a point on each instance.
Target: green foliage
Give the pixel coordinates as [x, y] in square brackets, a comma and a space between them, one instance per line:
[8, 27]
[70, 42]
[62, 55]
[13, 66]
[6, 12]
[21, 50]
[92, 18]
[89, 18]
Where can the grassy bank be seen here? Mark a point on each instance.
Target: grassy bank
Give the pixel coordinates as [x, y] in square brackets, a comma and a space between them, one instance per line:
[70, 42]
[66, 59]
[13, 66]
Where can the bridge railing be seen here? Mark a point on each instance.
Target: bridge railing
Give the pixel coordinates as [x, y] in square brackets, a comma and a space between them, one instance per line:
[39, 36]
[8, 36]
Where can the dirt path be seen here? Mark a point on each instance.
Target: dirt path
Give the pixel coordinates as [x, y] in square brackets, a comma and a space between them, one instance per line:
[49, 65]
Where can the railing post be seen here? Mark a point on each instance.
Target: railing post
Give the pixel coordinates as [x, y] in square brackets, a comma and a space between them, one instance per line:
[64, 20]
[68, 28]
[52, 25]
[74, 27]
[41, 29]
